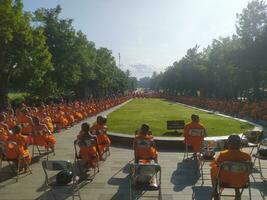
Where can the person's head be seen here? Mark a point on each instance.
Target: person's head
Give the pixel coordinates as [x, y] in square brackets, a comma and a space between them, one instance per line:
[2, 117]
[16, 130]
[144, 128]
[195, 118]
[234, 142]
[85, 127]
[99, 119]
[35, 120]
[24, 111]
[105, 119]
[10, 111]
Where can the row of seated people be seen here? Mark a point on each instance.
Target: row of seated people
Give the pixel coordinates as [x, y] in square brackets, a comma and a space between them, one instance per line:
[243, 109]
[145, 148]
[93, 142]
[145, 151]
[37, 124]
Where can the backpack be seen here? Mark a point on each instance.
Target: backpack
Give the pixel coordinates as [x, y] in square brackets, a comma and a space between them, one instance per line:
[64, 177]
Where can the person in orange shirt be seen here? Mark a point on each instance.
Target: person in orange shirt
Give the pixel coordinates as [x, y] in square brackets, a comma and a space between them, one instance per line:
[144, 145]
[233, 153]
[88, 152]
[194, 140]
[13, 153]
[42, 135]
[100, 130]
[11, 119]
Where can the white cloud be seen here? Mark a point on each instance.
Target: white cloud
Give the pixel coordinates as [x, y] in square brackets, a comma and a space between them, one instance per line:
[139, 70]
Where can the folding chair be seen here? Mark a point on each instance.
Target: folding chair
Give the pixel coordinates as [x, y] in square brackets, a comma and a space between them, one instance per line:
[207, 153]
[77, 156]
[53, 166]
[259, 157]
[144, 144]
[193, 133]
[17, 159]
[253, 139]
[145, 177]
[40, 151]
[235, 169]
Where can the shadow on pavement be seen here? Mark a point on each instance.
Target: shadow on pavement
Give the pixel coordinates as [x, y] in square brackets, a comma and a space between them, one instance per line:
[185, 175]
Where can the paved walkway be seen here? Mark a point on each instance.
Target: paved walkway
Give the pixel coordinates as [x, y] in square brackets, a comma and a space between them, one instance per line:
[179, 180]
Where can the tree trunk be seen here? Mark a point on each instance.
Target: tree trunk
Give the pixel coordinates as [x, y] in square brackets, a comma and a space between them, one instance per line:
[3, 93]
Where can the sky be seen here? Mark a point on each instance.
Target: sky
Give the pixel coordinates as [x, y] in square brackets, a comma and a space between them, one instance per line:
[149, 34]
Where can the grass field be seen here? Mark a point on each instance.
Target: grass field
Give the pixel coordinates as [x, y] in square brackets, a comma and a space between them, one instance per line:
[156, 112]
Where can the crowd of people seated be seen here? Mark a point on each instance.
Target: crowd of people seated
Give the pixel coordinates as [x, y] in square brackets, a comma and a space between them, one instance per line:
[35, 125]
[242, 109]
[237, 108]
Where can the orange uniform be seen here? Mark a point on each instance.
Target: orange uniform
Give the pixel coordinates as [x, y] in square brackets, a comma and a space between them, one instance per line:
[13, 153]
[195, 141]
[101, 132]
[234, 179]
[144, 152]
[88, 153]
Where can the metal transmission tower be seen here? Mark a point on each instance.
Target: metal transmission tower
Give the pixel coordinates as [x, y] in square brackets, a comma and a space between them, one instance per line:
[119, 60]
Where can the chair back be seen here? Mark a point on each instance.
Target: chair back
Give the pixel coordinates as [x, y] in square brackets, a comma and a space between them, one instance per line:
[146, 175]
[55, 165]
[237, 166]
[145, 144]
[9, 150]
[197, 132]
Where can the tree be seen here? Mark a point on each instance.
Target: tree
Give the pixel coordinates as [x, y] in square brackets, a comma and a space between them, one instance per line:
[23, 51]
[251, 24]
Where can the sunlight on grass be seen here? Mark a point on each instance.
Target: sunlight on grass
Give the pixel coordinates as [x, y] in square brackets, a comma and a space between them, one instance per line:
[156, 112]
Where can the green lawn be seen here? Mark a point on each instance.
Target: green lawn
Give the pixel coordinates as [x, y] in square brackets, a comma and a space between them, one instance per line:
[156, 112]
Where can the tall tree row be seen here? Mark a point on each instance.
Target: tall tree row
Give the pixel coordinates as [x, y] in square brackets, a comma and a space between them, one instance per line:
[44, 55]
[229, 68]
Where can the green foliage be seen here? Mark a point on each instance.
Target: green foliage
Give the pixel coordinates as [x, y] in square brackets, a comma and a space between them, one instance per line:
[24, 57]
[17, 98]
[229, 68]
[44, 55]
[156, 112]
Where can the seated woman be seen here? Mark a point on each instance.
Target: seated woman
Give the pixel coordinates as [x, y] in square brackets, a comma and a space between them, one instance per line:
[144, 145]
[100, 130]
[232, 154]
[22, 151]
[42, 135]
[88, 146]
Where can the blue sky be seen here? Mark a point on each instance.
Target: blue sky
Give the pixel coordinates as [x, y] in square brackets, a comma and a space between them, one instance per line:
[149, 34]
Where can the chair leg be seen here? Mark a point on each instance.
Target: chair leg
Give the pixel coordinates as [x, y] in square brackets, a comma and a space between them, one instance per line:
[27, 166]
[249, 191]
[19, 160]
[259, 161]
[1, 161]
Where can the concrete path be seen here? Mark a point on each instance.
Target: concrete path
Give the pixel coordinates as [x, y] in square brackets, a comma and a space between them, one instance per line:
[179, 180]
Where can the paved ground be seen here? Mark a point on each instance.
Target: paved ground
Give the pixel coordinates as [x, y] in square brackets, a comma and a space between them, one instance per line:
[179, 180]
